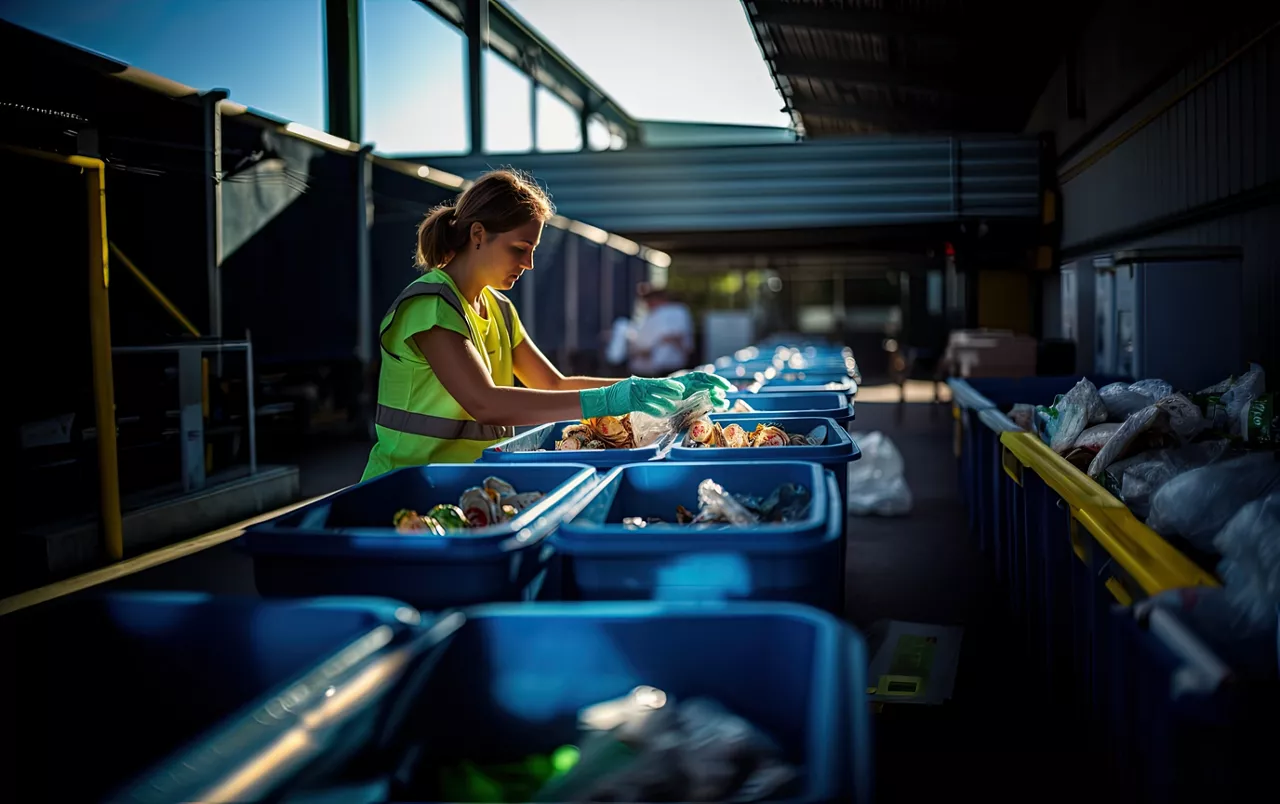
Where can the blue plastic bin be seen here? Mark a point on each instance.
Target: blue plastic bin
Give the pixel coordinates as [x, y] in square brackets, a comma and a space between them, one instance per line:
[510, 682]
[522, 449]
[805, 383]
[796, 562]
[162, 697]
[827, 405]
[345, 544]
[981, 405]
[835, 454]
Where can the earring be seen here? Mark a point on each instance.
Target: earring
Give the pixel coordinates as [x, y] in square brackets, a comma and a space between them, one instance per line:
[477, 246]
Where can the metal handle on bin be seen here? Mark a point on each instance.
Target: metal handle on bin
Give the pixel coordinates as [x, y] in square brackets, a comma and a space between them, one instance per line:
[1010, 463]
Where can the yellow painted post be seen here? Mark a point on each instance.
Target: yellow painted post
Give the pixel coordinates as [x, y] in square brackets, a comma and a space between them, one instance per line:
[104, 397]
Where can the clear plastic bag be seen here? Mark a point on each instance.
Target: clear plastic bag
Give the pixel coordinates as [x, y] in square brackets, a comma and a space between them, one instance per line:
[1077, 409]
[1250, 566]
[1143, 475]
[715, 502]
[877, 486]
[1121, 402]
[1153, 390]
[1197, 504]
[1185, 420]
[654, 429]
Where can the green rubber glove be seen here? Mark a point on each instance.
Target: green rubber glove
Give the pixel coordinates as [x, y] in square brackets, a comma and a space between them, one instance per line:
[714, 385]
[654, 397]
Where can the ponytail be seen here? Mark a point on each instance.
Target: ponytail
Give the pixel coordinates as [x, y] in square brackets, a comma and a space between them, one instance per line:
[438, 238]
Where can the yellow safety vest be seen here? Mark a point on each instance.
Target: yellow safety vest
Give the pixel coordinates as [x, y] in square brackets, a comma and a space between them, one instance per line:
[417, 421]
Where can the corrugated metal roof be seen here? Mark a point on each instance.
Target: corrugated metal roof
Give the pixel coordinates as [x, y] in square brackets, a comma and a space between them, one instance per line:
[868, 181]
[854, 66]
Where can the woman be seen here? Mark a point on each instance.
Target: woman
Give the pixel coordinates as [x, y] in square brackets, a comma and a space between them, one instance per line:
[453, 345]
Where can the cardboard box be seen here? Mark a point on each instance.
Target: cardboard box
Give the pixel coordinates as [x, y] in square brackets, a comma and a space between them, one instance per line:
[990, 353]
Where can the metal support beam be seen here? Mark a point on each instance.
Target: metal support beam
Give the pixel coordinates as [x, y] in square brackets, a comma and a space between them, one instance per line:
[477, 29]
[880, 74]
[584, 120]
[531, 62]
[364, 261]
[342, 68]
[878, 116]
[883, 23]
[213, 210]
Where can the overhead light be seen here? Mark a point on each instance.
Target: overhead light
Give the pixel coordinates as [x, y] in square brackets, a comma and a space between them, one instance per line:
[624, 245]
[320, 137]
[441, 177]
[659, 258]
[589, 232]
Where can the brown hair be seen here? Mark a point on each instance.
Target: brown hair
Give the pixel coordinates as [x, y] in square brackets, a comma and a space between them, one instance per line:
[500, 200]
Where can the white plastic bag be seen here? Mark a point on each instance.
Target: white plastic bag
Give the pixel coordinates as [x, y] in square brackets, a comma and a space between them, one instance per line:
[877, 486]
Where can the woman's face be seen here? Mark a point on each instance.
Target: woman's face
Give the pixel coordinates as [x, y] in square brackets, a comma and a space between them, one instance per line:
[504, 257]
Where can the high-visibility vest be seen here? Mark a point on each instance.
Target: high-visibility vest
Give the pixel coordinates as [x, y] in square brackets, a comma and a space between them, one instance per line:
[417, 421]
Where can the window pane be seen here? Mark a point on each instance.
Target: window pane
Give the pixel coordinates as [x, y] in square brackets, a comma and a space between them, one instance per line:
[269, 55]
[414, 94]
[558, 128]
[597, 134]
[507, 114]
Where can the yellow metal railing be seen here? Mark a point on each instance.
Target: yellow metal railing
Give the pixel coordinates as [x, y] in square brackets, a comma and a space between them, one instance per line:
[1152, 563]
[99, 343]
[155, 292]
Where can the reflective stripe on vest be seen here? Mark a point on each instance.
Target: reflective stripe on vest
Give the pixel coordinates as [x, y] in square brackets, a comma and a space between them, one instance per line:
[423, 424]
[406, 421]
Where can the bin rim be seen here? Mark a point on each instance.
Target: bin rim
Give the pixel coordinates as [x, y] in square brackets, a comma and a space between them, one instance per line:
[260, 745]
[1152, 562]
[844, 449]
[965, 397]
[531, 527]
[774, 538]
[596, 459]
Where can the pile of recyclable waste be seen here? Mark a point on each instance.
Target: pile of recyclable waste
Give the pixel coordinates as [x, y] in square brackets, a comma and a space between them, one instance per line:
[786, 503]
[488, 504]
[1201, 468]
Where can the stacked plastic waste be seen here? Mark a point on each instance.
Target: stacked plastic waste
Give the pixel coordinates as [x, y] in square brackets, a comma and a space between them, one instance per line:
[1202, 469]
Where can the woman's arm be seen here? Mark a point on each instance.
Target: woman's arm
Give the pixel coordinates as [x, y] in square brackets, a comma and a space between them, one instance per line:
[536, 371]
[462, 373]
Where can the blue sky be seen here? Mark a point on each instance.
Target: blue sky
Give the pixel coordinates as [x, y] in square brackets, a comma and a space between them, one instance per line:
[692, 60]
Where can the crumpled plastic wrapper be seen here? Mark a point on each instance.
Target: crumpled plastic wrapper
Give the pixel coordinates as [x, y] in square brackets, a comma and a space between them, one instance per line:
[694, 750]
[1185, 420]
[1121, 402]
[1197, 504]
[1250, 568]
[1154, 390]
[1119, 443]
[1077, 409]
[1095, 437]
[720, 504]
[1024, 416]
[1136, 478]
[652, 429]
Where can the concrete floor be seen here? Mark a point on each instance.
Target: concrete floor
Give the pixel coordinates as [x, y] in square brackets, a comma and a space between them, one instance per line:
[991, 739]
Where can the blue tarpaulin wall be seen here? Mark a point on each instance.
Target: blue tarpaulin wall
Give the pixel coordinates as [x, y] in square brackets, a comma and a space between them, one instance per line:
[400, 202]
[289, 271]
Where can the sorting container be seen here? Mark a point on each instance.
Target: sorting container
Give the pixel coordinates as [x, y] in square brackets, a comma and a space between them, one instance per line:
[346, 544]
[827, 405]
[509, 683]
[1077, 560]
[835, 454]
[162, 697]
[794, 561]
[979, 406]
[525, 448]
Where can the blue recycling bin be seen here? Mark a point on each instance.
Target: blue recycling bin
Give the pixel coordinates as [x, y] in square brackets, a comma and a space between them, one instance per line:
[826, 405]
[510, 682]
[796, 561]
[346, 544]
[159, 697]
[981, 406]
[539, 446]
[835, 454]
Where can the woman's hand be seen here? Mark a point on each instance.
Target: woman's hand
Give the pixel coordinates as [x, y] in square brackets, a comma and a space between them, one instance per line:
[716, 386]
[654, 397]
